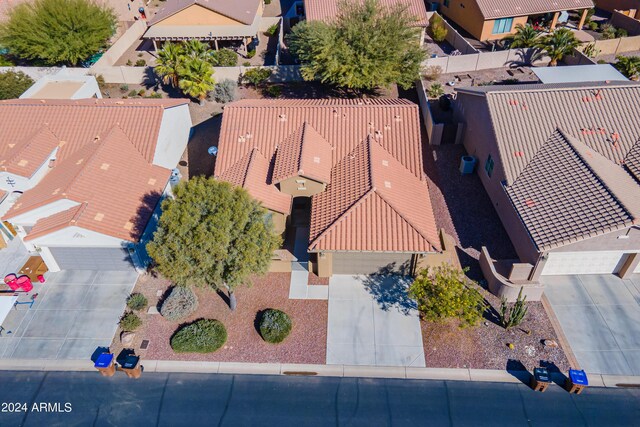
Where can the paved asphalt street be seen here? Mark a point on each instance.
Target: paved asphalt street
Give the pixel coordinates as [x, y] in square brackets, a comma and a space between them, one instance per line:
[252, 400]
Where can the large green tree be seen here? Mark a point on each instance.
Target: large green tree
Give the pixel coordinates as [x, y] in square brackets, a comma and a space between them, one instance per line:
[196, 78]
[368, 45]
[526, 36]
[629, 66]
[212, 234]
[168, 61]
[57, 31]
[13, 84]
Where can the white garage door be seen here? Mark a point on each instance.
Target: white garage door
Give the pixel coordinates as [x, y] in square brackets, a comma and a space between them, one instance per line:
[116, 259]
[604, 262]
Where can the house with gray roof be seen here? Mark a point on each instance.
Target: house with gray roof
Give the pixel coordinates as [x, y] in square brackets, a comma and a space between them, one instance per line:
[561, 164]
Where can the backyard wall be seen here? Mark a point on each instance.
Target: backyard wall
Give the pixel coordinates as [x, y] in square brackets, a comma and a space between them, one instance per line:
[578, 58]
[621, 45]
[121, 45]
[487, 60]
[434, 130]
[620, 20]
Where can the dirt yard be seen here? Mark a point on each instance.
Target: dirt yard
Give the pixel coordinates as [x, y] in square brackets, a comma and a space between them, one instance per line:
[306, 344]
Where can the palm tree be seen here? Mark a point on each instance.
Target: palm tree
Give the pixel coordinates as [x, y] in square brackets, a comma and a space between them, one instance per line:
[168, 62]
[629, 66]
[558, 44]
[525, 36]
[196, 78]
[196, 49]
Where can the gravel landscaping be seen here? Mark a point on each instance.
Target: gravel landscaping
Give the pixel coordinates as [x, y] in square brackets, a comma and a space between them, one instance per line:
[486, 345]
[305, 344]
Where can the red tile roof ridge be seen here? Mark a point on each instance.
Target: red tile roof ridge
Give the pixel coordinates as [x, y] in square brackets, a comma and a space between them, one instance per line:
[56, 222]
[310, 102]
[332, 225]
[31, 141]
[106, 102]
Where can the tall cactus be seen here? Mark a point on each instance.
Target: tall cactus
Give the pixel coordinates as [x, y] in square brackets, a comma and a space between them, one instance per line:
[514, 315]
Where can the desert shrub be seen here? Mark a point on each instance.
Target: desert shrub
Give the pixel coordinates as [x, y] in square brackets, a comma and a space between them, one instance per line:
[592, 25]
[608, 31]
[130, 321]
[272, 30]
[251, 53]
[124, 88]
[13, 84]
[621, 32]
[225, 91]
[445, 293]
[591, 51]
[601, 61]
[246, 64]
[435, 90]
[256, 76]
[129, 63]
[137, 301]
[513, 315]
[274, 91]
[180, 303]
[432, 72]
[201, 336]
[267, 1]
[437, 29]
[224, 58]
[141, 63]
[141, 92]
[133, 93]
[155, 95]
[275, 325]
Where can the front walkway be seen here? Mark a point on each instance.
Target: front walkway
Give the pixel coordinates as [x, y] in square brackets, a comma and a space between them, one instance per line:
[74, 313]
[600, 316]
[373, 322]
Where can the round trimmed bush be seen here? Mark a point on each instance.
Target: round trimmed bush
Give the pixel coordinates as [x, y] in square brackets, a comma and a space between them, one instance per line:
[201, 336]
[180, 303]
[130, 322]
[275, 325]
[137, 302]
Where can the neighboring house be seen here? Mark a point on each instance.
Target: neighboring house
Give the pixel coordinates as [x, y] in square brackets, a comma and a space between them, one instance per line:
[611, 5]
[212, 21]
[496, 19]
[359, 163]
[326, 10]
[561, 164]
[82, 179]
[63, 85]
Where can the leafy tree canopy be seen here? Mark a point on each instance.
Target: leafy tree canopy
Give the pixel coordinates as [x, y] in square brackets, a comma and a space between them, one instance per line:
[57, 31]
[13, 84]
[367, 46]
[212, 234]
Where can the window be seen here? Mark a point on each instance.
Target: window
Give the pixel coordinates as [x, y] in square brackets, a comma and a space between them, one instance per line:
[488, 166]
[501, 26]
[446, 3]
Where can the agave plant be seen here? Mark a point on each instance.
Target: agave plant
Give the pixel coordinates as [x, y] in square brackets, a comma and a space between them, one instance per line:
[558, 44]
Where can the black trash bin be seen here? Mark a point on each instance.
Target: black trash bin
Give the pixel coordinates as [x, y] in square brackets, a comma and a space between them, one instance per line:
[131, 366]
[540, 379]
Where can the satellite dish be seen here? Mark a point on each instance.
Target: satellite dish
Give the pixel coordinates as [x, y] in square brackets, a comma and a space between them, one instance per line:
[213, 151]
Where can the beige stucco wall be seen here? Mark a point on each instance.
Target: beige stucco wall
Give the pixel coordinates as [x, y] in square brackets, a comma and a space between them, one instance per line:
[290, 186]
[323, 266]
[468, 17]
[280, 266]
[487, 28]
[197, 15]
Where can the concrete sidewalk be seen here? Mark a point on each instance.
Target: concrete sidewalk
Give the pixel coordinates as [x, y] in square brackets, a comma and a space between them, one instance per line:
[481, 375]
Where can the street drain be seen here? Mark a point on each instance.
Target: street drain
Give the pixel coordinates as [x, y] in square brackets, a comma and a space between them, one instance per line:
[300, 373]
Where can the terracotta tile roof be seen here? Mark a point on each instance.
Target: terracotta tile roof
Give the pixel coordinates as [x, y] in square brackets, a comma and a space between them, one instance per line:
[76, 122]
[56, 222]
[373, 204]
[26, 156]
[117, 186]
[402, 224]
[492, 9]
[325, 10]
[305, 153]
[569, 192]
[243, 11]
[602, 115]
[252, 173]
[632, 161]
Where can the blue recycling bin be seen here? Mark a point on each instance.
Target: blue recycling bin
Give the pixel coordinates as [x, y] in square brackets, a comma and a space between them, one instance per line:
[105, 364]
[577, 381]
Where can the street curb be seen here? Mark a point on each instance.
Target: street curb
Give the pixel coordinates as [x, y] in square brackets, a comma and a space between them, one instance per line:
[398, 372]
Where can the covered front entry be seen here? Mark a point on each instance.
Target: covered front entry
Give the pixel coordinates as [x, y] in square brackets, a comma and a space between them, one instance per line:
[114, 259]
[600, 262]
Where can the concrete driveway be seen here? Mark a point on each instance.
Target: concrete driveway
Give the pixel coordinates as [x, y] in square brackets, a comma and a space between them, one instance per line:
[372, 322]
[74, 313]
[600, 316]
